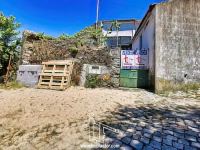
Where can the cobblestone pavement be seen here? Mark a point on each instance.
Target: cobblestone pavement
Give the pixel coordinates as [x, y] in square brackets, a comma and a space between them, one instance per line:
[150, 127]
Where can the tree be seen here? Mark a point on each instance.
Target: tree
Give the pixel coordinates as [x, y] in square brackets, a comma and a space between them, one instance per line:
[9, 44]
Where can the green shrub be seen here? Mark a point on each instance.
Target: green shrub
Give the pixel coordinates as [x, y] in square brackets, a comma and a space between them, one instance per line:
[44, 36]
[64, 37]
[92, 81]
[79, 44]
[73, 51]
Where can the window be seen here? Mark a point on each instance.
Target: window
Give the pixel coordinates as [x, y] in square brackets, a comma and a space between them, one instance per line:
[122, 40]
[125, 40]
[123, 26]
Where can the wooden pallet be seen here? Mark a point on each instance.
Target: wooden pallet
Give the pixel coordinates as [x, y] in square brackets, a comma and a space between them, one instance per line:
[56, 75]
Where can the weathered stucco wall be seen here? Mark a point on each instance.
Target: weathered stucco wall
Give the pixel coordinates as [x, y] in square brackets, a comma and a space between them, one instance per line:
[177, 43]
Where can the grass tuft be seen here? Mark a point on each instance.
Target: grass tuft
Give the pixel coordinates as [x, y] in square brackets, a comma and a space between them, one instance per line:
[11, 85]
[166, 86]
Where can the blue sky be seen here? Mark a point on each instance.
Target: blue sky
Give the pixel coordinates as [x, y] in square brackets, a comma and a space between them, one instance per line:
[55, 17]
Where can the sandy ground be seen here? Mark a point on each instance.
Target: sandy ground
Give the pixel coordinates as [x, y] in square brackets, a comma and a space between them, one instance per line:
[48, 119]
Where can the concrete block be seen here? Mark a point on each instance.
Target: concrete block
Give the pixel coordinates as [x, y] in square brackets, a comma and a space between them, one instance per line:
[92, 69]
[28, 75]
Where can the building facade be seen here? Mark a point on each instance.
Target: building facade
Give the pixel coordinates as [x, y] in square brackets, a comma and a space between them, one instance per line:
[171, 31]
[119, 37]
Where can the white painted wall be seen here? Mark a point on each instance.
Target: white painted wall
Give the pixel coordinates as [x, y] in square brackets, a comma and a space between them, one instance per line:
[120, 33]
[148, 39]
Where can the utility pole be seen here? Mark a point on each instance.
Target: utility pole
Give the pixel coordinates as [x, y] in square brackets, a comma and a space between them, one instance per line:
[97, 14]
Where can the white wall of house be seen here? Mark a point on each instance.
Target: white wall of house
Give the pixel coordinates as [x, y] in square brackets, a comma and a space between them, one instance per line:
[120, 33]
[147, 35]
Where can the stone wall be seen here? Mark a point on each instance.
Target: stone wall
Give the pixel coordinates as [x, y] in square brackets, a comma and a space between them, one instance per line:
[177, 44]
[115, 66]
[35, 51]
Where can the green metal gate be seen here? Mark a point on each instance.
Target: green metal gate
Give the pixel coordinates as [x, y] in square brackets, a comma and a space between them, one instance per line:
[134, 78]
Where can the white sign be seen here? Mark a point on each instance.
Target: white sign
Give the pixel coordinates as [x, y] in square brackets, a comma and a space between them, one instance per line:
[134, 59]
